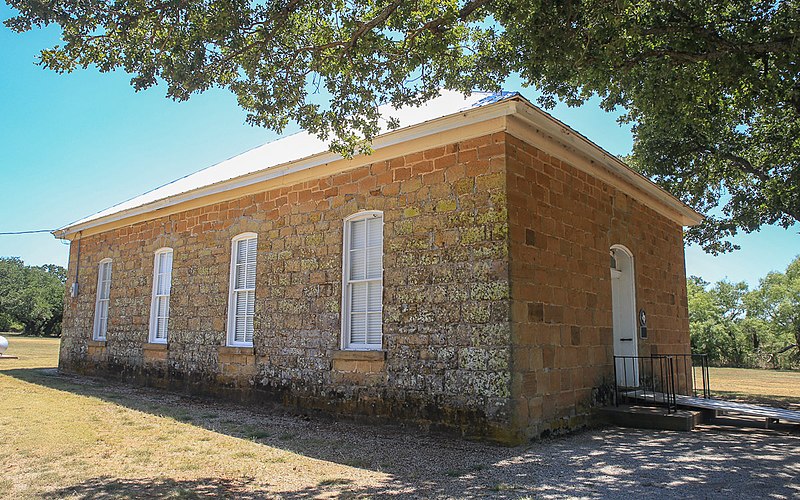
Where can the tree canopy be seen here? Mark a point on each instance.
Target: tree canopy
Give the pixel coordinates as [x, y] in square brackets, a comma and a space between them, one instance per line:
[32, 296]
[711, 86]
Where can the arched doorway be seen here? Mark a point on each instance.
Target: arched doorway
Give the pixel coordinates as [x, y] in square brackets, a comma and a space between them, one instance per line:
[623, 304]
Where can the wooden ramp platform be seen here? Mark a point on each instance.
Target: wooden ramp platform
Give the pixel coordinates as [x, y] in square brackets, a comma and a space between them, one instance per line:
[766, 412]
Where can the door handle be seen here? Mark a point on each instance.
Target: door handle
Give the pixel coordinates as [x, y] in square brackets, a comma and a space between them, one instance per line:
[626, 340]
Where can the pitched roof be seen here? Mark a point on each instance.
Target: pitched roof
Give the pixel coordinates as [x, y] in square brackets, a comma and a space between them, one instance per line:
[303, 148]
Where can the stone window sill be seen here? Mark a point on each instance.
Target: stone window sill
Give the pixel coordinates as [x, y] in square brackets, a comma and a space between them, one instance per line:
[97, 343]
[236, 350]
[358, 355]
[155, 347]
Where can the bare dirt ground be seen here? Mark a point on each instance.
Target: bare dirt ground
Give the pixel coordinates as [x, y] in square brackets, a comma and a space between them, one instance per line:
[73, 437]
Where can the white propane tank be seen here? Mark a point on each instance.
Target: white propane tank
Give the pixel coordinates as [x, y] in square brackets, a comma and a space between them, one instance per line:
[3, 344]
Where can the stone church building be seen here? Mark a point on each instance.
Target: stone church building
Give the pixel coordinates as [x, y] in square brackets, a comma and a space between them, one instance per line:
[476, 273]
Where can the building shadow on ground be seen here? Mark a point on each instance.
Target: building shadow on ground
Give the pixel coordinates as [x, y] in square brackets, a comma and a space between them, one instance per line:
[105, 487]
[734, 461]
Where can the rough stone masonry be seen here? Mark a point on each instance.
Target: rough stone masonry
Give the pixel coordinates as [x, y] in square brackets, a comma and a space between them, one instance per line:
[496, 304]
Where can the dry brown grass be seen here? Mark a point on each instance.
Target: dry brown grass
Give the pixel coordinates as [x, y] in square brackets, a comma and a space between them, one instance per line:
[34, 352]
[770, 387]
[72, 437]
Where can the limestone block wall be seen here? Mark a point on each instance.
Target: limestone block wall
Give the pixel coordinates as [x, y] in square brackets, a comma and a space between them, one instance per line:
[562, 223]
[447, 347]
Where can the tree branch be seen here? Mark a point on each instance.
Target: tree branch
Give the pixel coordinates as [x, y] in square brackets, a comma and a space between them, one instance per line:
[746, 166]
[743, 163]
[282, 15]
[367, 26]
[759, 50]
[434, 25]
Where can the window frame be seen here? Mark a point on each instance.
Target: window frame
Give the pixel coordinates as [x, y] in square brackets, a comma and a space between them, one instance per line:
[345, 343]
[154, 297]
[231, 331]
[96, 326]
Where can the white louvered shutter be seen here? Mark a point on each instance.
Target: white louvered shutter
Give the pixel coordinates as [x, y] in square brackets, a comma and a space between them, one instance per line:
[364, 283]
[243, 302]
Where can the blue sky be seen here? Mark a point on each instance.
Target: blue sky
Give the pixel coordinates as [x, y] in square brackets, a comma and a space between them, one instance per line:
[71, 145]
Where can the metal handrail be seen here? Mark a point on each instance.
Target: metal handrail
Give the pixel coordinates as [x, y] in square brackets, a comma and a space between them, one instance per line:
[658, 377]
[655, 379]
[689, 364]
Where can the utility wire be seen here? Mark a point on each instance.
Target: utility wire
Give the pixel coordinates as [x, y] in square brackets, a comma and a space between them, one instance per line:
[26, 232]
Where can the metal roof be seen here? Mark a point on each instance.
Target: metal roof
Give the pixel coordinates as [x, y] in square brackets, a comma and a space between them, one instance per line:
[304, 150]
[295, 147]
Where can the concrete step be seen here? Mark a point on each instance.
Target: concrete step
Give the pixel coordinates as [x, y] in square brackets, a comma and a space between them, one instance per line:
[649, 417]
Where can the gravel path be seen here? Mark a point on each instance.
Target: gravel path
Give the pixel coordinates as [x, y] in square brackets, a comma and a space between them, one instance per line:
[714, 461]
[711, 462]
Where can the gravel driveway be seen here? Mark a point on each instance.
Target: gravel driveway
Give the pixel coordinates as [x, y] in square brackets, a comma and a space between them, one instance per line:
[710, 462]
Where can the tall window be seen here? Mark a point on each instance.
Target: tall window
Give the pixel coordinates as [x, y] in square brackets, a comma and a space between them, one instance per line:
[242, 300]
[102, 300]
[159, 307]
[362, 290]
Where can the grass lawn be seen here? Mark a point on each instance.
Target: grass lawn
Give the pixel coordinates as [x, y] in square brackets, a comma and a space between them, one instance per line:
[72, 437]
[34, 352]
[770, 387]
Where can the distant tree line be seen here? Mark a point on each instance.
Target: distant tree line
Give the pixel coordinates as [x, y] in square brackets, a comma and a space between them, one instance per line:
[31, 297]
[739, 327]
